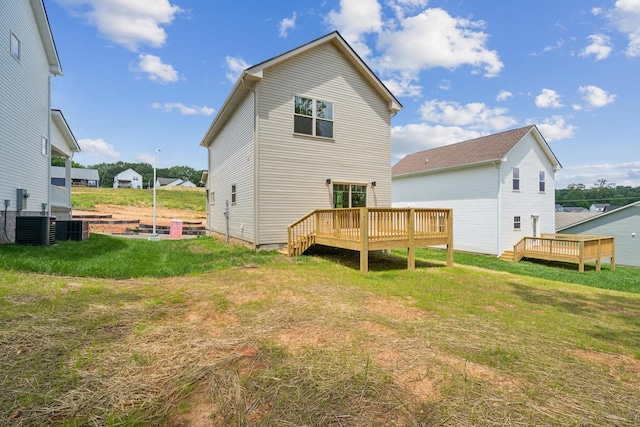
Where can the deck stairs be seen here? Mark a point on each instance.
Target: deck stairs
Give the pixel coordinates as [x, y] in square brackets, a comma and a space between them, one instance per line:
[507, 255]
[302, 243]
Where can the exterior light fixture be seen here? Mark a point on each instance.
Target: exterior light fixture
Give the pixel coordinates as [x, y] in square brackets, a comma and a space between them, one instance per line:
[373, 184]
[328, 181]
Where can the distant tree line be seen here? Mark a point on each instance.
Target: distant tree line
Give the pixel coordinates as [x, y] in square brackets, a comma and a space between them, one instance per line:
[108, 171]
[600, 192]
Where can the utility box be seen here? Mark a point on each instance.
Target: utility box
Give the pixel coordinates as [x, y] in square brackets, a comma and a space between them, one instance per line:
[21, 199]
[175, 232]
[74, 229]
[35, 230]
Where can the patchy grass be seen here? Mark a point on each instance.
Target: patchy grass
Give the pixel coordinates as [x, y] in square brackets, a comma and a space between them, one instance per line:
[121, 258]
[87, 198]
[310, 341]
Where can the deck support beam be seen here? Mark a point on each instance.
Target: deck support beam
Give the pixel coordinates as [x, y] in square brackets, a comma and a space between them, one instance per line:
[364, 237]
[411, 228]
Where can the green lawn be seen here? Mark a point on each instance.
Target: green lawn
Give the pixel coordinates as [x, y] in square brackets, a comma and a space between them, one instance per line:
[193, 332]
[86, 198]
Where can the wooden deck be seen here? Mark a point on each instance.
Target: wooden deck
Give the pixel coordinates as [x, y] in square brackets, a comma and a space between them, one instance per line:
[572, 248]
[372, 229]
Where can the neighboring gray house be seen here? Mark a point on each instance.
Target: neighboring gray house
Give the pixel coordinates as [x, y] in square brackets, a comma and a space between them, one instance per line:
[308, 129]
[500, 187]
[168, 182]
[598, 207]
[127, 179]
[80, 177]
[28, 60]
[623, 224]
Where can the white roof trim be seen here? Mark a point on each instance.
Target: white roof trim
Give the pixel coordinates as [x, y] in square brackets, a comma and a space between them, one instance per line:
[46, 36]
[61, 123]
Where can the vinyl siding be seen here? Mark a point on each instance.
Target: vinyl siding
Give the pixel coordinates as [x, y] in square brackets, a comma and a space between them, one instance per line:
[528, 201]
[24, 108]
[619, 224]
[470, 192]
[58, 142]
[231, 162]
[293, 168]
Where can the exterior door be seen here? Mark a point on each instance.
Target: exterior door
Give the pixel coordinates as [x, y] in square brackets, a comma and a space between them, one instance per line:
[349, 196]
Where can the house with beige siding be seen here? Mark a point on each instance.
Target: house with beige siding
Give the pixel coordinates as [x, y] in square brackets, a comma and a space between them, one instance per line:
[28, 60]
[500, 187]
[308, 129]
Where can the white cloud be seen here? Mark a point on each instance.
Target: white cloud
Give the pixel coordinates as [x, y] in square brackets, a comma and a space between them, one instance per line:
[403, 86]
[355, 19]
[145, 158]
[156, 70]
[235, 67]
[287, 24]
[185, 110]
[444, 84]
[98, 148]
[434, 38]
[548, 98]
[621, 174]
[625, 17]
[504, 95]
[600, 47]
[595, 96]
[554, 128]
[596, 11]
[417, 137]
[474, 115]
[129, 23]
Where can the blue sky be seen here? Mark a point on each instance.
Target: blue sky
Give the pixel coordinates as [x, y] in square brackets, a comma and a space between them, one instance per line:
[147, 74]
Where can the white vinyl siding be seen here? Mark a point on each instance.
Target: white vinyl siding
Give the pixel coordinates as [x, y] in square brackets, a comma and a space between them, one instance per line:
[470, 192]
[294, 168]
[231, 160]
[24, 108]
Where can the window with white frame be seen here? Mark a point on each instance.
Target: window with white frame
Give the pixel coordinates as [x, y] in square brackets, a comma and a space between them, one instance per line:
[212, 197]
[516, 178]
[541, 181]
[313, 117]
[516, 223]
[233, 194]
[15, 46]
[44, 142]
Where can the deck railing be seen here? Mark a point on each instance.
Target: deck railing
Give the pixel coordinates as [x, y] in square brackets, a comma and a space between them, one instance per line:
[574, 248]
[365, 229]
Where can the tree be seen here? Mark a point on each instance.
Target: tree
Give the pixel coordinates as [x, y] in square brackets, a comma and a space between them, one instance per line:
[62, 161]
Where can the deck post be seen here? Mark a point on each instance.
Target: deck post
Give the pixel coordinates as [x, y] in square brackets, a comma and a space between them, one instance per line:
[364, 240]
[450, 238]
[411, 229]
[599, 260]
[581, 255]
[289, 248]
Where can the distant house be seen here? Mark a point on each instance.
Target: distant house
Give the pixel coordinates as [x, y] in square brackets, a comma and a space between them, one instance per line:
[308, 129]
[598, 207]
[80, 177]
[623, 224]
[575, 209]
[28, 58]
[500, 187]
[168, 182]
[127, 179]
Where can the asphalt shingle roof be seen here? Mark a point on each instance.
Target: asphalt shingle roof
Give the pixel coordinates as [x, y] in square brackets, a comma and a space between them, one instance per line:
[479, 150]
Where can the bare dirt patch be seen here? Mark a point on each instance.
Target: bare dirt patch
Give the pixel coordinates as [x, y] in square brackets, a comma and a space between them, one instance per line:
[144, 214]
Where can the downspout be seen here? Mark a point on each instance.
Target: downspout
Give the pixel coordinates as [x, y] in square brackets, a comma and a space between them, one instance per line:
[256, 168]
[49, 149]
[499, 210]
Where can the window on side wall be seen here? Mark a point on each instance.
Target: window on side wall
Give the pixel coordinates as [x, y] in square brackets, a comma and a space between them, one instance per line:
[541, 180]
[516, 223]
[15, 46]
[212, 197]
[313, 117]
[516, 178]
[45, 146]
[233, 194]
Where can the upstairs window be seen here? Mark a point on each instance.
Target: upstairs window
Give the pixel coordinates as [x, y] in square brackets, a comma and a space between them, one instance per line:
[516, 178]
[15, 46]
[233, 194]
[541, 181]
[313, 117]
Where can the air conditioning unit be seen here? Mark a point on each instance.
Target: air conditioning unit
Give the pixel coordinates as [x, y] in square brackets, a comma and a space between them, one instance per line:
[35, 230]
[72, 230]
